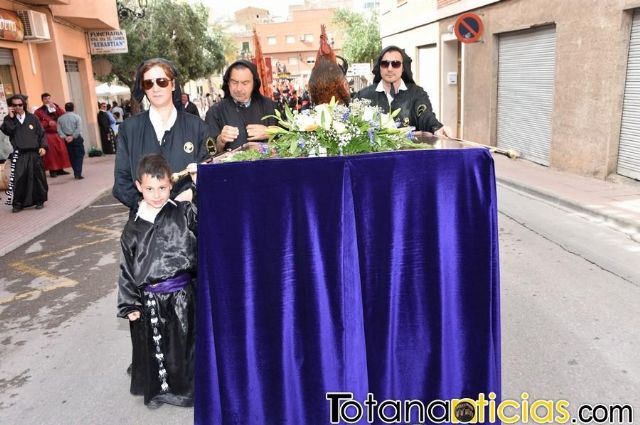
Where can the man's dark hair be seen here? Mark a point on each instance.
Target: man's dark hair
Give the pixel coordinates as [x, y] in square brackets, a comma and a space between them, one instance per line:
[154, 165]
[69, 106]
[22, 97]
[240, 64]
[43, 95]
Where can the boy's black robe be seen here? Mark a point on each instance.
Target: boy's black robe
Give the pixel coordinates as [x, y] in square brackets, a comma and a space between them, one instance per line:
[152, 253]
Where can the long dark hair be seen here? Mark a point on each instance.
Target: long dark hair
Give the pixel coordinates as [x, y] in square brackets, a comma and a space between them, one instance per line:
[407, 74]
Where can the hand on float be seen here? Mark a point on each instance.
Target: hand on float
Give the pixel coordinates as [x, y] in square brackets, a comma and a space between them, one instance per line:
[443, 131]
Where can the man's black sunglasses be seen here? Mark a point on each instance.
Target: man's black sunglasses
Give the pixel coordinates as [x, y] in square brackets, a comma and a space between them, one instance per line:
[17, 105]
[395, 64]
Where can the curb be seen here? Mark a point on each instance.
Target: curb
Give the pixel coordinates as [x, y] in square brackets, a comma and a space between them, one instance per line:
[627, 226]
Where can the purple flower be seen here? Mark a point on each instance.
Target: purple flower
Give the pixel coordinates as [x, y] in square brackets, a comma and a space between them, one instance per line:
[371, 137]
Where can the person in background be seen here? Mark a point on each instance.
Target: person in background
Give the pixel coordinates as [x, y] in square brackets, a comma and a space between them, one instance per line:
[156, 288]
[189, 106]
[69, 129]
[117, 111]
[165, 129]
[237, 119]
[393, 88]
[106, 133]
[28, 183]
[57, 158]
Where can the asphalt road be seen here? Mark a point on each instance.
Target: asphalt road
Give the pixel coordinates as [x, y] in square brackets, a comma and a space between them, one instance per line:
[570, 288]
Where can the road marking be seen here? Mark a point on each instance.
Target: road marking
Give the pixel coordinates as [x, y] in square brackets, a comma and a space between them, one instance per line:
[56, 281]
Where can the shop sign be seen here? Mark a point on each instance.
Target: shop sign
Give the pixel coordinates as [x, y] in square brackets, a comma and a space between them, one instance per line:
[108, 42]
[11, 27]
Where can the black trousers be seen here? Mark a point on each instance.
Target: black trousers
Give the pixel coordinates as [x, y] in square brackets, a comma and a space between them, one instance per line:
[76, 155]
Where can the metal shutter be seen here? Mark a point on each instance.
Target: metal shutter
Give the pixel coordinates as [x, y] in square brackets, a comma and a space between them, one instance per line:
[629, 148]
[6, 57]
[526, 75]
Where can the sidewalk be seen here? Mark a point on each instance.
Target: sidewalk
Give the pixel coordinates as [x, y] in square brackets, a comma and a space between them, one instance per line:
[617, 203]
[66, 197]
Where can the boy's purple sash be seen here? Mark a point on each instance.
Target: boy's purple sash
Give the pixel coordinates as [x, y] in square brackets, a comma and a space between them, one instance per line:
[173, 284]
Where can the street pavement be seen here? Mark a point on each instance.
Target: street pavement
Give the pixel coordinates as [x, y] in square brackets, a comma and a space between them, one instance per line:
[614, 202]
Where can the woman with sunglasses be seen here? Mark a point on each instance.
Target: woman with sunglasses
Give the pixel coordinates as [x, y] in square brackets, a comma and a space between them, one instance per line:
[28, 183]
[393, 88]
[165, 129]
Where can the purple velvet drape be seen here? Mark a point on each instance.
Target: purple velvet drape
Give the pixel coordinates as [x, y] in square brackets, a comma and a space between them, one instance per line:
[364, 274]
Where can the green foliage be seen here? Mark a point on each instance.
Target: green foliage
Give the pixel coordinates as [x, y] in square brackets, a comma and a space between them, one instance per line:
[333, 129]
[173, 30]
[362, 35]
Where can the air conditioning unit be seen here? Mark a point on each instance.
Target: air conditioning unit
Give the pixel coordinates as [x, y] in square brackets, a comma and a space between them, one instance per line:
[36, 27]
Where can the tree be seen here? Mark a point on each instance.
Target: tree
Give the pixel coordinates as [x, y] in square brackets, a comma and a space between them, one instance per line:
[175, 31]
[362, 35]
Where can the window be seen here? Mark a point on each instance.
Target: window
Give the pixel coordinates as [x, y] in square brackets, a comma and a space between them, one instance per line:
[311, 59]
[290, 39]
[271, 40]
[308, 38]
[245, 47]
[293, 60]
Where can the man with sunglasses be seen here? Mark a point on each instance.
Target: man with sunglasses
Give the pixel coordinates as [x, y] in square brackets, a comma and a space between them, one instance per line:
[393, 88]
[28, 184]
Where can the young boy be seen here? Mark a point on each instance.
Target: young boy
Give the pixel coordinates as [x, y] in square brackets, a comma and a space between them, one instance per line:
[156, 288]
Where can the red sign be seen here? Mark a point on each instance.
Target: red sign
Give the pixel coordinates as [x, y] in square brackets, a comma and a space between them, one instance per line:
[468, 28]
[11, 27]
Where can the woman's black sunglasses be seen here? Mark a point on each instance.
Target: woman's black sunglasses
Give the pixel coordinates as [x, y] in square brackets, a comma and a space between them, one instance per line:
[395, 64]
[161, 82]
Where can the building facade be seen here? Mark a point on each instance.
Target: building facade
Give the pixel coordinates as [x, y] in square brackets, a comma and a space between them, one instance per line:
[558, 81]
[44, 48]
[292, 45]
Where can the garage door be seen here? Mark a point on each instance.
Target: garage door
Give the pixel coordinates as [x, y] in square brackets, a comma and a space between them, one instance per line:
[526, 75]
[629, 148]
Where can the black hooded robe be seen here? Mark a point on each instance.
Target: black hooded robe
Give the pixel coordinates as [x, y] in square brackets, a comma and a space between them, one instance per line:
[228, 112]
[414, 104]
[29, 182]
[163, 338]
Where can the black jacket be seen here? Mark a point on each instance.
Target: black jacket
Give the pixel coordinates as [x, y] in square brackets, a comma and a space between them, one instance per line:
[414, 104]
[226, 112]
[183, 144]
[191, 108]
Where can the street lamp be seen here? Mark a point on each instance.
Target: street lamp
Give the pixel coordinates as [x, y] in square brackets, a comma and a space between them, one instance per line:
[125, 13]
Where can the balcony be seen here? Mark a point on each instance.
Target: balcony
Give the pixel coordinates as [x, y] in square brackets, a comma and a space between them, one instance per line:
[87, 14]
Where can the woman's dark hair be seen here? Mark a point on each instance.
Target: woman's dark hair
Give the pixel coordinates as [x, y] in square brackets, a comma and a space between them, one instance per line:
[169, 69]
[154, 165]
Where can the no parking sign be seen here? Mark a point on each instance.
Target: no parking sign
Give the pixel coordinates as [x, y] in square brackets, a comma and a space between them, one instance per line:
[468, 28]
